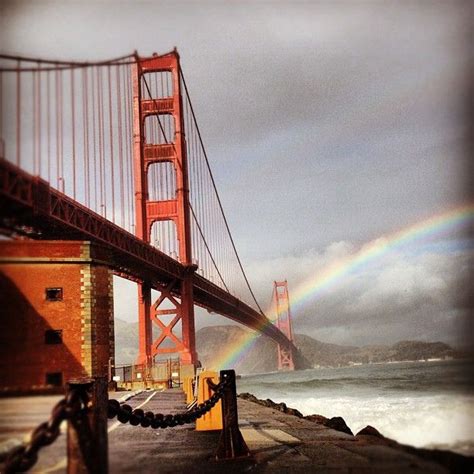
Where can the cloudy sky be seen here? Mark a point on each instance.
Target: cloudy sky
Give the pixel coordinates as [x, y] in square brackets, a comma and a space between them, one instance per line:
[328, 125]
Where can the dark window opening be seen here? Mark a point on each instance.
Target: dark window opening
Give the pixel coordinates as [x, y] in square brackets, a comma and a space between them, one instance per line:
[54, 294]
[53, 336]
[54, 378]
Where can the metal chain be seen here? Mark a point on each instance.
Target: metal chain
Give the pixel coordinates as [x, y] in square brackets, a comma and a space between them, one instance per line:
[137, 417]
[22, 458]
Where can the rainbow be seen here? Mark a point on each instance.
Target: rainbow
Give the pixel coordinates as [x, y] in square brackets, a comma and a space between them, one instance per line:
[334, 272]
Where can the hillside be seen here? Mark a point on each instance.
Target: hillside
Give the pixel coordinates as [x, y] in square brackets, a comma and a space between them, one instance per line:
[321, 353]
[219, 345]
[330, 355]
[126, 342]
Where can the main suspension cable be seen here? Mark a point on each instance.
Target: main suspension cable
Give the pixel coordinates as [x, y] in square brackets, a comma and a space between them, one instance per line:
[217, 194]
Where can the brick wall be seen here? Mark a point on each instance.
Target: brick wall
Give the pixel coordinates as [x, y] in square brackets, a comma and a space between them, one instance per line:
[84, 314]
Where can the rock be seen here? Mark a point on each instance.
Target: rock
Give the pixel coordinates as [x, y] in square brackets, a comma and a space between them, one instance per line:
[337, 423]
[370, 431]
[294, 412]
[268, 403]
[249, 396]
[271, 404]
[317, 419]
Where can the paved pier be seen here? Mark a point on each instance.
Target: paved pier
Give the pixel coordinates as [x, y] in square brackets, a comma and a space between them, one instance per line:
[279, 442]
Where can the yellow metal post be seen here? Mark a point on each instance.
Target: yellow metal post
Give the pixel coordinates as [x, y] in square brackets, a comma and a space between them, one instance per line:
[213, 419]
[188, 389]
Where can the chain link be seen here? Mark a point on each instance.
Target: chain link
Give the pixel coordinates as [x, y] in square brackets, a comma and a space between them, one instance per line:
[24, 457]
[137, 417]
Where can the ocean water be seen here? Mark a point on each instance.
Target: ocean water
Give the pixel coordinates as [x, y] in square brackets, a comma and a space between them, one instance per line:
[424, 404]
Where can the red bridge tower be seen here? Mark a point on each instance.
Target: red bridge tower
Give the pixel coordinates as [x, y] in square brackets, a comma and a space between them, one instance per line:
[281, 300]
[168, 310]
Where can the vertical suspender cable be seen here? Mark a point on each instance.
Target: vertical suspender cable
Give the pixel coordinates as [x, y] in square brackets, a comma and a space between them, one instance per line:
[40, 117]
[18, 114]
[219, 201]
[94, 134]
[48, 123]
[102, 153]
[34, 123]
[128, 134]
[85, 118]
[73, 132]
[61, 148]
[100, 111]
[120, 145]
[56, 122]
[127, 195]
[130, 161]
[112, 176]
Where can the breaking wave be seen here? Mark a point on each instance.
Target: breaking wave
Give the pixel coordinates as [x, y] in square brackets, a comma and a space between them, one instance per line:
[421, 404]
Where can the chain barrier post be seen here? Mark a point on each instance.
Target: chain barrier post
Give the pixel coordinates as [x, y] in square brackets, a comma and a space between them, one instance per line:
[211, 420]
[231, 443]
[87, 447]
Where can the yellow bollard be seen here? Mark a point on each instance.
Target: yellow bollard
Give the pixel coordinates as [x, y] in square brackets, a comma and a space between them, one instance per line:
[213, 419]
[188, 389]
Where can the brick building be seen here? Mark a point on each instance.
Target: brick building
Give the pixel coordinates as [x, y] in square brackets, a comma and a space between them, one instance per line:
[56, 313]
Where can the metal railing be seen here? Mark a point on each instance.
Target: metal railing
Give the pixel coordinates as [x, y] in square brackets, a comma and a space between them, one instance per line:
[158, 372]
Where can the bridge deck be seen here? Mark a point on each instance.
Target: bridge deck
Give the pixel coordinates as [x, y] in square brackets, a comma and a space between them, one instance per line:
[279, 443]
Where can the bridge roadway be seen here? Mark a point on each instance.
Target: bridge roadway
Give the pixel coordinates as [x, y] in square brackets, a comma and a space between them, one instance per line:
[30, 206]
[279, 442]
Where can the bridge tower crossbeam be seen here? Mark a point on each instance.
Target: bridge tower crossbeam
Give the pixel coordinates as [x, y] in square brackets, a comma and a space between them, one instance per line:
[168, 310]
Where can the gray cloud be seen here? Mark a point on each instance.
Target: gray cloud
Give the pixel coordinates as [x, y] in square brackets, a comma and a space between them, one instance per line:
[399, 296]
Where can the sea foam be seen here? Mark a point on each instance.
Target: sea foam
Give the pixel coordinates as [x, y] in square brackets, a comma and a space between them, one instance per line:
[427, 405]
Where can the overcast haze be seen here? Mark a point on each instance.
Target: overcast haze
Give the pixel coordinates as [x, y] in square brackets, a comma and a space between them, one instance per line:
[327, 125]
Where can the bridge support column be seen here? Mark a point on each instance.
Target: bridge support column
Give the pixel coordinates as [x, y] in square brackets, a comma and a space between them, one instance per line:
[188, 355]
[144, 324]
[175, 306]
[283, 322]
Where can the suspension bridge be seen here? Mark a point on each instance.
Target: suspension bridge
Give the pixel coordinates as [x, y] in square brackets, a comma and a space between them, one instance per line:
[111, 153]
[103, 172]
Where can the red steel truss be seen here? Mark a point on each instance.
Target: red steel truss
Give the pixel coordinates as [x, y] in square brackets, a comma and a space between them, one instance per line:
[283, 322]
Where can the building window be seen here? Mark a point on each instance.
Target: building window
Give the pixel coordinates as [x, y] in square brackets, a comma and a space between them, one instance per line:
[54, 378]
[54, 294]
[53, 336]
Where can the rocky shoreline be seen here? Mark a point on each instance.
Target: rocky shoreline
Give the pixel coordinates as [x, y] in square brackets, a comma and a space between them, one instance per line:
[454, 462]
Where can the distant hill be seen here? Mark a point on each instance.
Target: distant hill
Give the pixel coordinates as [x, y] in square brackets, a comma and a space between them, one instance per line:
[126, 342]
[321, 353]
[331, 355]
[214, 345]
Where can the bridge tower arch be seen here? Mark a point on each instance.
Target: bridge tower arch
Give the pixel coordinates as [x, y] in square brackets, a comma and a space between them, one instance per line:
[172, 151]
[281, 300]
